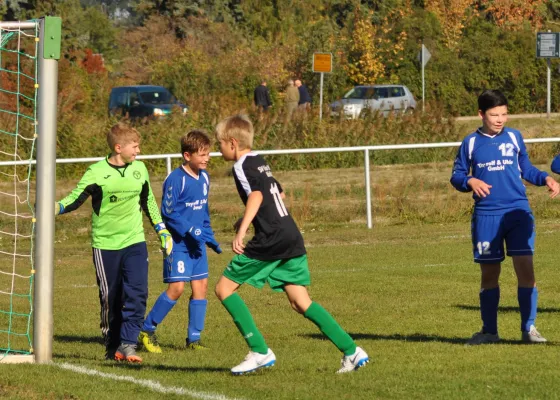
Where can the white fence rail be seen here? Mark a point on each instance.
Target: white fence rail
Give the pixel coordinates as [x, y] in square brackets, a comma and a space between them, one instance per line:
[365, 149]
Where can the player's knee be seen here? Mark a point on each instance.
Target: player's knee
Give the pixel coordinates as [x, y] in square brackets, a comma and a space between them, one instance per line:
[297, 307]
[175, 291]
[220, 292]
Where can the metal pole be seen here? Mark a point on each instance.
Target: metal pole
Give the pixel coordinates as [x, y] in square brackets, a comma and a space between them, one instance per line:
[168, 163]
[422, 62]
[18, 25]
[321, 99]
[548, 88]
[45, 198]
[368, 189]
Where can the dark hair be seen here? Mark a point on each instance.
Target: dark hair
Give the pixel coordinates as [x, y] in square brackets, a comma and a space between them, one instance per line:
[491, 98]
[194, 141]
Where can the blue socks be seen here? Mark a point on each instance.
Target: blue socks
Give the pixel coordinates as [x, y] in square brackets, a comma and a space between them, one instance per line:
[197, 315]
[159, 311]
[489, 300]
[527, 298]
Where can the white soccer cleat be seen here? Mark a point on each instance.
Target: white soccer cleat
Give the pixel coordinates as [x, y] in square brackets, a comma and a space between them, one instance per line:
[533, 336]
[354, 361]
[482, 338]
[254, 361]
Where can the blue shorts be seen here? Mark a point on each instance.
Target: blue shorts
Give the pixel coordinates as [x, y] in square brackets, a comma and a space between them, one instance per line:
[183, 266]
[516, 228]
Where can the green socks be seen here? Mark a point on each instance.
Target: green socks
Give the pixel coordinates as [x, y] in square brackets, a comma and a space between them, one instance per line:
[330, 328]
[315, 313]
[245, 323]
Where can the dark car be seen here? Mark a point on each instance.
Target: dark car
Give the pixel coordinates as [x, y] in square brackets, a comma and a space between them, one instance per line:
[143, 101]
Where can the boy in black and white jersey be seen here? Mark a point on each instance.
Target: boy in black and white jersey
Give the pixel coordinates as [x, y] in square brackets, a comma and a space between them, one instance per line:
[275, 255]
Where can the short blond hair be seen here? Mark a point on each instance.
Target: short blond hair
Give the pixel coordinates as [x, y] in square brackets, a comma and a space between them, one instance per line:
[238, 127]
[122, 134]
[194, 141]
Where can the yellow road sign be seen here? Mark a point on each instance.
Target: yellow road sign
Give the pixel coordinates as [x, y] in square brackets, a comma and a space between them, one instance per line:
[322, 62]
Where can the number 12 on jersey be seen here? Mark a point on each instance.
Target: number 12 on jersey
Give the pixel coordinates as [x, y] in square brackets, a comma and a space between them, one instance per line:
[278, 200]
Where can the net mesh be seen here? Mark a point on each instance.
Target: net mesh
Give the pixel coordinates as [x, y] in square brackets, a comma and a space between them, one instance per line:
[18, 132]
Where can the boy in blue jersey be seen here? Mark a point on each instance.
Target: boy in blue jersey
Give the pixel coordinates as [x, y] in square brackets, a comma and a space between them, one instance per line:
[275, 255]
[184, 209]
[555, 166]
[497, 160]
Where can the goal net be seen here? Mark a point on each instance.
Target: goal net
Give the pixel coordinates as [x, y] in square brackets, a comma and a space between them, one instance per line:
[21, 60]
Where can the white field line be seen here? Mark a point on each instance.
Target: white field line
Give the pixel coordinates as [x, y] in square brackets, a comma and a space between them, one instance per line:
[152, 385]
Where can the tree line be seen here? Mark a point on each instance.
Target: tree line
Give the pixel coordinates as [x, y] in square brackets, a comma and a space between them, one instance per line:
[213, 53]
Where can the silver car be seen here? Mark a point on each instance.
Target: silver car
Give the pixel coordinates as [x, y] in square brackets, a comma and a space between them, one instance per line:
[365, 99]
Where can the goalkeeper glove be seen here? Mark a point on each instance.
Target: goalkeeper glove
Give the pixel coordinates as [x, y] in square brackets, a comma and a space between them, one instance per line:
[165, 238]
[58, 208]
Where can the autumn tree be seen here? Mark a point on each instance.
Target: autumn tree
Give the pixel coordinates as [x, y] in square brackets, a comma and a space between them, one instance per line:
[453, 16]
[363, 64]
[511, 14]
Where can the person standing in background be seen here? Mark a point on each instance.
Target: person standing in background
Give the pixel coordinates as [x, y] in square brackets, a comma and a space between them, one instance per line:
[261, 97]
[292, 99]
[304, 103]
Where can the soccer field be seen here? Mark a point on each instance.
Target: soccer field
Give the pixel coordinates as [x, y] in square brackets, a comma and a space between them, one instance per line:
[407, 291]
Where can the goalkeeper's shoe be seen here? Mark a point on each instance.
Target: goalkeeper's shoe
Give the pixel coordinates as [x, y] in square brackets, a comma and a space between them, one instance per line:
[254, 361]
[353, 362]
[149, 341]
[482, 338]
[127, 352]
[533, 336]
[110, 352]
[196, 345]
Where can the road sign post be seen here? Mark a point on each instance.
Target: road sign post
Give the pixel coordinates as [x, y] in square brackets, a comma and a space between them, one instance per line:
[423, 57]
[548, 46]
[322, 63]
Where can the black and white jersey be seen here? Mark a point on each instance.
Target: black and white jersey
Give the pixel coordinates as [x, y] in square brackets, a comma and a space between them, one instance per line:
[277, 236]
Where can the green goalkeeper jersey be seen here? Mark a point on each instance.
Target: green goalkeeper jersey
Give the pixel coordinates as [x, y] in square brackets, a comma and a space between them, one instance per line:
[118, 196]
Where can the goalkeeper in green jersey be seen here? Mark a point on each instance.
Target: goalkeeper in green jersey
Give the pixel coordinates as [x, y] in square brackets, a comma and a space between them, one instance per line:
[119, 187]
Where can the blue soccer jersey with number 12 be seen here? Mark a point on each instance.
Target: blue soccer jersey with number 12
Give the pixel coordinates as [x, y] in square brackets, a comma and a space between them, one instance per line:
[502, 162]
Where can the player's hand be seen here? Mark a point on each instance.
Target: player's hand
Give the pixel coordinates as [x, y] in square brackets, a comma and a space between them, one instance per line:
[480, 188]
[58, 208]
[165, 238]
[553, 186]
[237, 245]
[214, 246]
[166, 242]
[200, 234]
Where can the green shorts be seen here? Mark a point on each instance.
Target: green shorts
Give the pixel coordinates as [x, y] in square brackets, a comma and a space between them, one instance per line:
[242, 269]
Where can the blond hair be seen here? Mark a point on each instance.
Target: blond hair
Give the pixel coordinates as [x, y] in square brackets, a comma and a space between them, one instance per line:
[122, 134]
[194, 141]
[238, 127]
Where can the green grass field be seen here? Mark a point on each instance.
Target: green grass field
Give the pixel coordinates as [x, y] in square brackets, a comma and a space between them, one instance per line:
[406, 290]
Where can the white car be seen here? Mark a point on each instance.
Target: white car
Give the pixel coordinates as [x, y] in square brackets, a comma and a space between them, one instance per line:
[365, 99]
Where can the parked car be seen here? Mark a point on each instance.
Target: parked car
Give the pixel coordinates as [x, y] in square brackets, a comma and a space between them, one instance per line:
[385, 99]
[143, 101]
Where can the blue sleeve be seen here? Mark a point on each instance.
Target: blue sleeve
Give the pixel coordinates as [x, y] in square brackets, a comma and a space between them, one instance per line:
[461, 167]
[206, 222]
[170, 207]
[555, 166]
[528, 171]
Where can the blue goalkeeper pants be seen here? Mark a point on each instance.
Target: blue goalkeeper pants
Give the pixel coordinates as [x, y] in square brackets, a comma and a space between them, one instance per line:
[122, 277]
